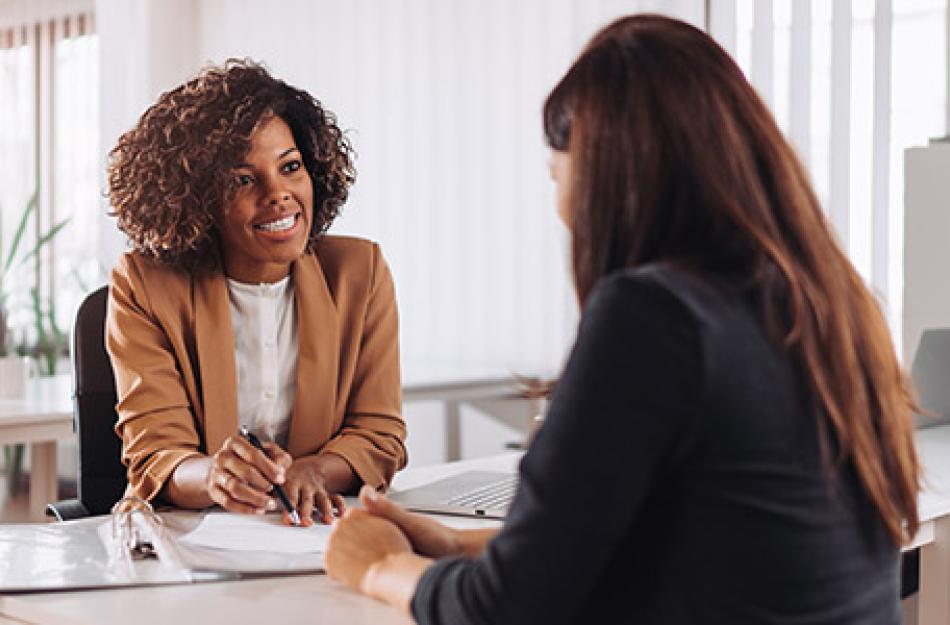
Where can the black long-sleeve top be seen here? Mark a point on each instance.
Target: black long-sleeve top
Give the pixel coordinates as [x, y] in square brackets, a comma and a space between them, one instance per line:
[678, 478]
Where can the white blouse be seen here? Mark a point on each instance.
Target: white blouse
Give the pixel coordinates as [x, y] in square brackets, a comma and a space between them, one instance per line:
[266, 345]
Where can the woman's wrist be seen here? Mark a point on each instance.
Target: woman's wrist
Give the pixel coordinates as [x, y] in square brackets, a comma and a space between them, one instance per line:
[472, 542]
[394, 579]
[335, 473]
[187, 486]
[458, 542]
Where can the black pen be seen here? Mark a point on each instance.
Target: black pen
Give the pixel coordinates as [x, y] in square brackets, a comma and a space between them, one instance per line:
[253, 440]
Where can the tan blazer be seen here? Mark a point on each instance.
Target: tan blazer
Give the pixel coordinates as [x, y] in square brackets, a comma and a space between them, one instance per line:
[168, 333]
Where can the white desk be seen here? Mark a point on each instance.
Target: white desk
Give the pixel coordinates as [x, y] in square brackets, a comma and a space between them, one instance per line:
[310, 598]
[933, 602]
[42, 418]
[455, 385]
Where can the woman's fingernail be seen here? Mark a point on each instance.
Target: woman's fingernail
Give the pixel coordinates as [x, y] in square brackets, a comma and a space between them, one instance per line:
[371, 493]
[272, 504]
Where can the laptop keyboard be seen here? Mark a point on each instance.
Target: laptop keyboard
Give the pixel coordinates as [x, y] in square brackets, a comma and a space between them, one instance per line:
[495, 495]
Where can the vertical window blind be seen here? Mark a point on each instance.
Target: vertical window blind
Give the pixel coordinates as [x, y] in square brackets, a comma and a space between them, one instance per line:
[49, 150]
[852, 83]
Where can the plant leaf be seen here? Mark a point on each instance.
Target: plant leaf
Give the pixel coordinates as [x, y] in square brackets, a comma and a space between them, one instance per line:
[43, 240]
[21, 227]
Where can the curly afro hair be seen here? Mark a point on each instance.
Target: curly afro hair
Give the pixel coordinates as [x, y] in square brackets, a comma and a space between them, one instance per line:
[173, 171]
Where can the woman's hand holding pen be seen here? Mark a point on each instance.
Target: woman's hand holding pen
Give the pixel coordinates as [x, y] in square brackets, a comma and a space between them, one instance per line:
[241, 477]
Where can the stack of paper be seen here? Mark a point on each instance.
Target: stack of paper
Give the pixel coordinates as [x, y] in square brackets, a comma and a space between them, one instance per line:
[248, 532]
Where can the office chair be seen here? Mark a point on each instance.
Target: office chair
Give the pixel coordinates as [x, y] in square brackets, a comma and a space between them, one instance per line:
[101, 479]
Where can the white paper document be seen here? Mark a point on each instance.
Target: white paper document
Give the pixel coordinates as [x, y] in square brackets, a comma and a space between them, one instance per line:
[251, 532]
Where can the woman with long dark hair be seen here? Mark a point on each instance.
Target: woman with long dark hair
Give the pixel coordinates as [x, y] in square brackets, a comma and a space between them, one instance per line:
[730, 441]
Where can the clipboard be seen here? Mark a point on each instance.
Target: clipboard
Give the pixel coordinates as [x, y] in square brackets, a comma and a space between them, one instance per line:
[134, 546]
[69, 556]
[138, 532]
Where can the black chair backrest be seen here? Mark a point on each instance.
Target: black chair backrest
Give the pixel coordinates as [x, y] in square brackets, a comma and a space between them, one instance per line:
[101, 473]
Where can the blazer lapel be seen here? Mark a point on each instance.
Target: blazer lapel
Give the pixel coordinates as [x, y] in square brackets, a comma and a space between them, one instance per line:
[313, 420]
[216, 366]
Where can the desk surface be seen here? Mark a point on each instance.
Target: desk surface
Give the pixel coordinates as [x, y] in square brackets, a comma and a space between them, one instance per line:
[47, 399]
[286, 599]
[43, 417]
[933, 448]
[435, 373]
[308, 598]
[283, 599]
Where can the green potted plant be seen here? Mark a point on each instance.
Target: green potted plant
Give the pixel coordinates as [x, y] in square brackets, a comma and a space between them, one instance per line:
[14, 361]
[51, 343]
[13, 366]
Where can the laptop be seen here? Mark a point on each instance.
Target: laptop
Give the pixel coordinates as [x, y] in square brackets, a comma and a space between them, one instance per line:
[482, 494]
[930, 373]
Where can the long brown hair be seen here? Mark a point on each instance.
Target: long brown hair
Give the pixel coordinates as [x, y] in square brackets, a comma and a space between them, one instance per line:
[675, 158]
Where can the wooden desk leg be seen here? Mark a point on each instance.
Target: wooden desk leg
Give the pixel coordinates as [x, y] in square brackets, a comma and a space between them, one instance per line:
[42, 478]
[933, 600]
[453, 430]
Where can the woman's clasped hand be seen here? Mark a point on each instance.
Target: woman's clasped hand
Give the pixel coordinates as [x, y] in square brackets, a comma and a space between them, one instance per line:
[372, 547]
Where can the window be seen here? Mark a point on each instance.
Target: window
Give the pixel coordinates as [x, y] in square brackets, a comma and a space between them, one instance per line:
[75, 167]
[49, 150]
[17, 157]
[853, 84]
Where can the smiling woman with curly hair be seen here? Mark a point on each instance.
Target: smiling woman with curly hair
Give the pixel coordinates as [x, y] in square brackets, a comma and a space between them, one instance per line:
[169, 173]
[234, 309]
